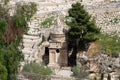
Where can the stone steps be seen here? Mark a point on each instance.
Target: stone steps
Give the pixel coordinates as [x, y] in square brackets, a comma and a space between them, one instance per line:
[29, 41]
[33, 33]
[30, 37]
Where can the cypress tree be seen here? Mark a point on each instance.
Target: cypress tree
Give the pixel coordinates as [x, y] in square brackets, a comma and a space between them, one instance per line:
[82, 28]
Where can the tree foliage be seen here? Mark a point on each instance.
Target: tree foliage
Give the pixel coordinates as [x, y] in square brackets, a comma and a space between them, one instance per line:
[82, 27]
[3, 72]
[3, 25]
[11, 30]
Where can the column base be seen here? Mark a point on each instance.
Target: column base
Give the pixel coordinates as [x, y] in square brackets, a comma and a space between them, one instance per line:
[53, 65]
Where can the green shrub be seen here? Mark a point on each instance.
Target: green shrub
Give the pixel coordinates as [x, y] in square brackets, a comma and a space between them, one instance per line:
[79, 72]
[109, 44]
[115, 54]
[37, 68]
[43, 38]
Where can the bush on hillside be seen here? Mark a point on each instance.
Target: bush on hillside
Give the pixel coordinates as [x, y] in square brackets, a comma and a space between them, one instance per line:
[79, 72]
[37, 68]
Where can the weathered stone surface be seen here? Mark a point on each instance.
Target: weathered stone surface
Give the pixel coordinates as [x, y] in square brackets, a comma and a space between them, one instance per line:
[107, 18]
[102, 63]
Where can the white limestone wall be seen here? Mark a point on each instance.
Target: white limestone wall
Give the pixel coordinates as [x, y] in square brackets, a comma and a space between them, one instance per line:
[109, 22]
[91, 2]
[107, 17]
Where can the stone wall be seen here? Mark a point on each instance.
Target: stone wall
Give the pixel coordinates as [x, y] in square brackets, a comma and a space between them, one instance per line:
[107, 17]
[106, 14]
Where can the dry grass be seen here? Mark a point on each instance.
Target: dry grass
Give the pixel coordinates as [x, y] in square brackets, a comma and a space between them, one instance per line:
[94, 48]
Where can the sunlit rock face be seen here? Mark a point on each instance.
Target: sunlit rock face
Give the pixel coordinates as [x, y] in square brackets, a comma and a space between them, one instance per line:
[88, 2]
[102, 12]
[92, 2]
[56, 1]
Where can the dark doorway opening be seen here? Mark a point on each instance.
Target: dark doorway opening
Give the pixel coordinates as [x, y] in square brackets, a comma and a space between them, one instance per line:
[72, 58]
[46, 56]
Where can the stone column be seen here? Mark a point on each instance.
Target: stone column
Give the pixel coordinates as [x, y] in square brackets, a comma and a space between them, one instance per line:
[57, 56]
[51, 58]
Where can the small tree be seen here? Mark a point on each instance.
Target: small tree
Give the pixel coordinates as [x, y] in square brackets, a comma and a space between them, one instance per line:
[82, 28]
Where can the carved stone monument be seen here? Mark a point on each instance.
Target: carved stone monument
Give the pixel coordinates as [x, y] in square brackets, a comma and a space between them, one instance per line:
[58, 56]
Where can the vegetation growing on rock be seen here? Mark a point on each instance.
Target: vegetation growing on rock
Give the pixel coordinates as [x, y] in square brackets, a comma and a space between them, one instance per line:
[47, 22]
[37, 68]
[109, 44]
[37, 71]
[79, 72]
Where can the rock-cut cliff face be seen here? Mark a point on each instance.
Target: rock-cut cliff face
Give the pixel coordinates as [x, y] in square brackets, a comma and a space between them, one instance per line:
[107, 17]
